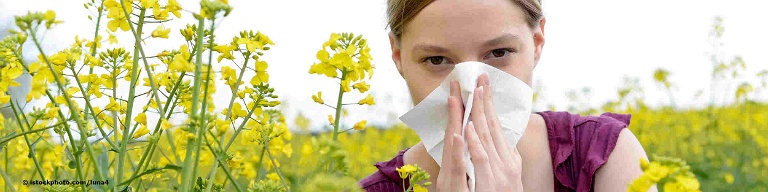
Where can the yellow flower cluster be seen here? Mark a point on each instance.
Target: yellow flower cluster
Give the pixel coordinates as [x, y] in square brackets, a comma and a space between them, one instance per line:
[351, 63]
[415, 175]
[351, 58]
[10, 64]
[672, 174]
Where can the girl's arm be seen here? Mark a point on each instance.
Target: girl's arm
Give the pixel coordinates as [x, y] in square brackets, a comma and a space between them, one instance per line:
[623, 165]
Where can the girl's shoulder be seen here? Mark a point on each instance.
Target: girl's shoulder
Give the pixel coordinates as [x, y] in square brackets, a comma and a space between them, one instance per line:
[579, 145]
[384, 179]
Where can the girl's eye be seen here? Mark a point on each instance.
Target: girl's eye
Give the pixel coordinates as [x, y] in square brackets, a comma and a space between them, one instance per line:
[436, 60]
[497, 53]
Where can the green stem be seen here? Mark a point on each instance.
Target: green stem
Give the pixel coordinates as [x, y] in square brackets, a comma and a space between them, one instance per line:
[261, 160]
[226, 171]
[338, 108]
[131, 94]
[30, 132]
[242, 124]
[150, 171]
[73, 111]
[201, 125]
[188, 170]
[31, 149]
[8, 183]
[272, 159]
[234, 91]
[93, 113]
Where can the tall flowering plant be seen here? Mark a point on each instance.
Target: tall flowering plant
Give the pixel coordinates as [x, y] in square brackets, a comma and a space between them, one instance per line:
[166, 128]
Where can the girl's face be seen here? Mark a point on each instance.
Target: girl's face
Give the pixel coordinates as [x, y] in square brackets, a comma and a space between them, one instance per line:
[447, 32]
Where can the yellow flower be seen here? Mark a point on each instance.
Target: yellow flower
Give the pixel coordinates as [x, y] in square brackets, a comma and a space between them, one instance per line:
[261, 73]
[165, 124]
[345, 86]
[323, 69]
[419, 188]
[180, 62]
[237, 111]
[361, 86]
[119, 19]
[148, 3]
[141, 132]
[330, 119]
[160, 14]
[729, 178]
[367, 101]
[405, 170]
[141, 118]
[113, 105]
[318, 98]
[360, 125]
[251, 45]
[226, 51]
[229, 76]
[174, 8]
[161, 32]
[112, 39]
[273, 176]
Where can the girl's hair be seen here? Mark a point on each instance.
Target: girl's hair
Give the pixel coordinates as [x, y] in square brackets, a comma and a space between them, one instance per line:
[400, 12]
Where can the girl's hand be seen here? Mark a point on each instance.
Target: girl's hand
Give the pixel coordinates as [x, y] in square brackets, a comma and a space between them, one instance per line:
[498, 166]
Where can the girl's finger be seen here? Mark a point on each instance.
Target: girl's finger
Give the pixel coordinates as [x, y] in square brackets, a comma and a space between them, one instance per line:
[481, 127]
[494, 127]
[479, 156]
[455, 111]
[458, 173]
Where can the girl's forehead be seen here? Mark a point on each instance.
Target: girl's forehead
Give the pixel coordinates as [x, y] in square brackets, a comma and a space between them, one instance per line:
[456, 21]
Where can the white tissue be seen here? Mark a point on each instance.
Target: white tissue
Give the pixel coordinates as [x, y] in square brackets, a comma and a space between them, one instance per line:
[512, 99]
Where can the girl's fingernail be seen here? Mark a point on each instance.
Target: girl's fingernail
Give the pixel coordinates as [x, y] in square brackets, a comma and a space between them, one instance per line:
[480, 92]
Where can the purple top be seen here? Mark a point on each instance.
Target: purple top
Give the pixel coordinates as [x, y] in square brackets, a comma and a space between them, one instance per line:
[579, 145]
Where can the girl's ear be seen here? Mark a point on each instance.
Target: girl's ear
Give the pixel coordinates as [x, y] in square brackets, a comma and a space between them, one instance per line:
[395, 45]
[538, 40]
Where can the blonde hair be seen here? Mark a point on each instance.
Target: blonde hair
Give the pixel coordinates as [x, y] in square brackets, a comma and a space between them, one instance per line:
[400, 12]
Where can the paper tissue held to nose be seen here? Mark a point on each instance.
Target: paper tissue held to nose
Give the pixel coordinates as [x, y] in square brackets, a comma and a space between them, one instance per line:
[512, 99]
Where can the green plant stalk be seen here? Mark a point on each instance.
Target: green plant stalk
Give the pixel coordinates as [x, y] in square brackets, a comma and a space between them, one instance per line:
[211, 176]
[261, 160]
[61, 115]
[187, 170]
[29, 145]
[338, 107]
[226, 171]
[100, 9]
[205, 109]
[201, 125]
[7, 180]
[75, 114]
[29, 132]
[234, 91]
[6, 168]
[136, 35]
[131, 97]
[150, 149]
[90, 107]
[242, 125]
[282, 178]
[157, 126]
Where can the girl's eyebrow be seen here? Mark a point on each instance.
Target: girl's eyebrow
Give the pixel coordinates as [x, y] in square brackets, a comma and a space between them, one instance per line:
[490, 43]
[501, 39]
[429, 48]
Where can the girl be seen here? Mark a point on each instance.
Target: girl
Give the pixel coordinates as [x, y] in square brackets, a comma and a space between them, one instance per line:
[560, 151]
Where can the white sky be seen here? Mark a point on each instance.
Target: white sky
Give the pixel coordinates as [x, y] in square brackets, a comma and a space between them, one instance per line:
[590, 43]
